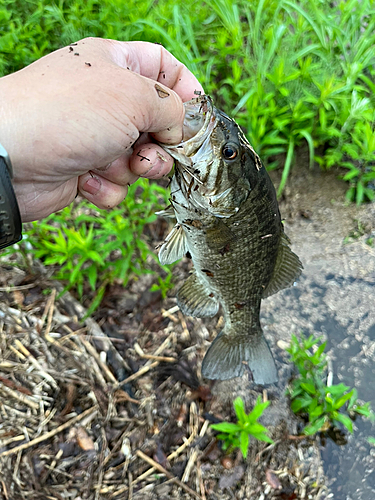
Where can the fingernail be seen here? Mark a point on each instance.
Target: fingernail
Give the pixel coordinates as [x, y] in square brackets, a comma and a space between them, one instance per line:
[92, 185]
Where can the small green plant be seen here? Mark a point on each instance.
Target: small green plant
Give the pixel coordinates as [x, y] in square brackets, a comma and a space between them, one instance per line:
[324, 406]
[238, 435]
[357, 232]
[164, 284]
[90, 248]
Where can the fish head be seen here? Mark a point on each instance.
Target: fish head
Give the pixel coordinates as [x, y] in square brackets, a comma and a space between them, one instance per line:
[216, 166]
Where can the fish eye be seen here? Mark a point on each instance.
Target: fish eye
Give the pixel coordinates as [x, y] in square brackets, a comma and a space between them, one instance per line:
[229, 151]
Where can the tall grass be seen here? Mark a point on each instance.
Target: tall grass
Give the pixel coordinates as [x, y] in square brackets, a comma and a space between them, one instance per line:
[290, 72]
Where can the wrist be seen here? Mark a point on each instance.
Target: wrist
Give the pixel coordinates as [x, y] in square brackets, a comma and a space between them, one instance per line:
[10, 219]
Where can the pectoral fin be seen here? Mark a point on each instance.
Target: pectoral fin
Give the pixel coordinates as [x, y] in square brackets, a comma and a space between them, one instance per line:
[174, 246]
[288, 268]
[168, 213]
[194, 299]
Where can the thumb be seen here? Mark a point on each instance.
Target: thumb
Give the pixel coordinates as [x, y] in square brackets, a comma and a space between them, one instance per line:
[156, 109]
[167, 82]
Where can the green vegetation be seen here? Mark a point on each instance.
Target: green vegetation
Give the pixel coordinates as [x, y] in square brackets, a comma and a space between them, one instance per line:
[238, 435]
[291, 72]
[95, 249]
[324, 406]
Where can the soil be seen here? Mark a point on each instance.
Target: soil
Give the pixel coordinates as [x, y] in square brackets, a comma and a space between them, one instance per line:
[87, 406]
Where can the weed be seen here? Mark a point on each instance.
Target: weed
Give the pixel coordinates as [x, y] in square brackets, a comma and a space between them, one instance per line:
[324, 406]
[357, 232]
[97, 248]
[320, 94]
[238, 435]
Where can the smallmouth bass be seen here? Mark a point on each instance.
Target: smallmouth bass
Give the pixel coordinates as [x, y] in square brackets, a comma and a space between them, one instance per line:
[228, 221]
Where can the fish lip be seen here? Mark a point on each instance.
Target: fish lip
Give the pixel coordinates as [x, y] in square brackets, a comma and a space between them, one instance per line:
[185, 150]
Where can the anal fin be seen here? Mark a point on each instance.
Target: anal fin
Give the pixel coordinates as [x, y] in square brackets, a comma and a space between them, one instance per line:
[288, 268]
[194, 299]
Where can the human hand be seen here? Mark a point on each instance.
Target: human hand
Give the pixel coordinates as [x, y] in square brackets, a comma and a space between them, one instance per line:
[79, 119]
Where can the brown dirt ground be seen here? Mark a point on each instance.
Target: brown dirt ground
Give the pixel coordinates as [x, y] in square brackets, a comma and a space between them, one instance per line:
[88, 407]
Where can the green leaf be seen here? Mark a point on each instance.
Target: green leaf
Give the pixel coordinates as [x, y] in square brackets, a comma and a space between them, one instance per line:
[360, 193]
[254, 428]
[337, 389]
[314, 427]
[338, 403]
[239, 408]
[287, 165]
[96, 301]
[258, 410]
[226, 427]
[300, 403]
[92, 275]
[244, 443]
[76, 270]
[345, 420]
[262, 437]
[309, 387]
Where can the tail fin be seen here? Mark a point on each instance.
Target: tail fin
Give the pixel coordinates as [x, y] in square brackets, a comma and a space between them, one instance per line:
[224, 359]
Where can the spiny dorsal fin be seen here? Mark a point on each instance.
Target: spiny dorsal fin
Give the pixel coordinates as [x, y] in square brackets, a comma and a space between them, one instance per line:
[194, 299]
[288, 268]
[174, 246]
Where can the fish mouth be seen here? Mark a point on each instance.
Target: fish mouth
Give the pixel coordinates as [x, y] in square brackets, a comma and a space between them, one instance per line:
[200, 120]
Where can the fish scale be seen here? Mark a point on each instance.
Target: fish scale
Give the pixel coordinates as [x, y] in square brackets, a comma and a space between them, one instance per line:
[227, 218]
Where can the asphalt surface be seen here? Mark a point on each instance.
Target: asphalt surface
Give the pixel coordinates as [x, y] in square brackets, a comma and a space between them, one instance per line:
[334, 298]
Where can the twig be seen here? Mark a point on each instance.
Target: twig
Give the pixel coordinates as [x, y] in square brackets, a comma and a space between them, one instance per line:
[170, 476]
[185, 332]
[4, 491]
[130, 479]
[138, 349]
[268, 448]
[58, 455]
[297, 438]
[200, 480]
[5, 442]
[164, 345]
[138, 374]
[169, 457]
[194, 455]
[22, 398]
[92, 351]
[37, 365]
[165, 359]
[9, 289]
[49, 434]
[168, 314]
[48, 313]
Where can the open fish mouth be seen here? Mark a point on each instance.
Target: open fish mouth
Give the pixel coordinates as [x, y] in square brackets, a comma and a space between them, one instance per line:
[200, 120]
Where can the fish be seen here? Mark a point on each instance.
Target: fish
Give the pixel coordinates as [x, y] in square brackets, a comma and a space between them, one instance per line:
[227, 220]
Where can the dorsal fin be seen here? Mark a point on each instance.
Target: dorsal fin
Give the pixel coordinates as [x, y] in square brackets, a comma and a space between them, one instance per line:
[194, 299]
[288, 268]
[174, 246]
